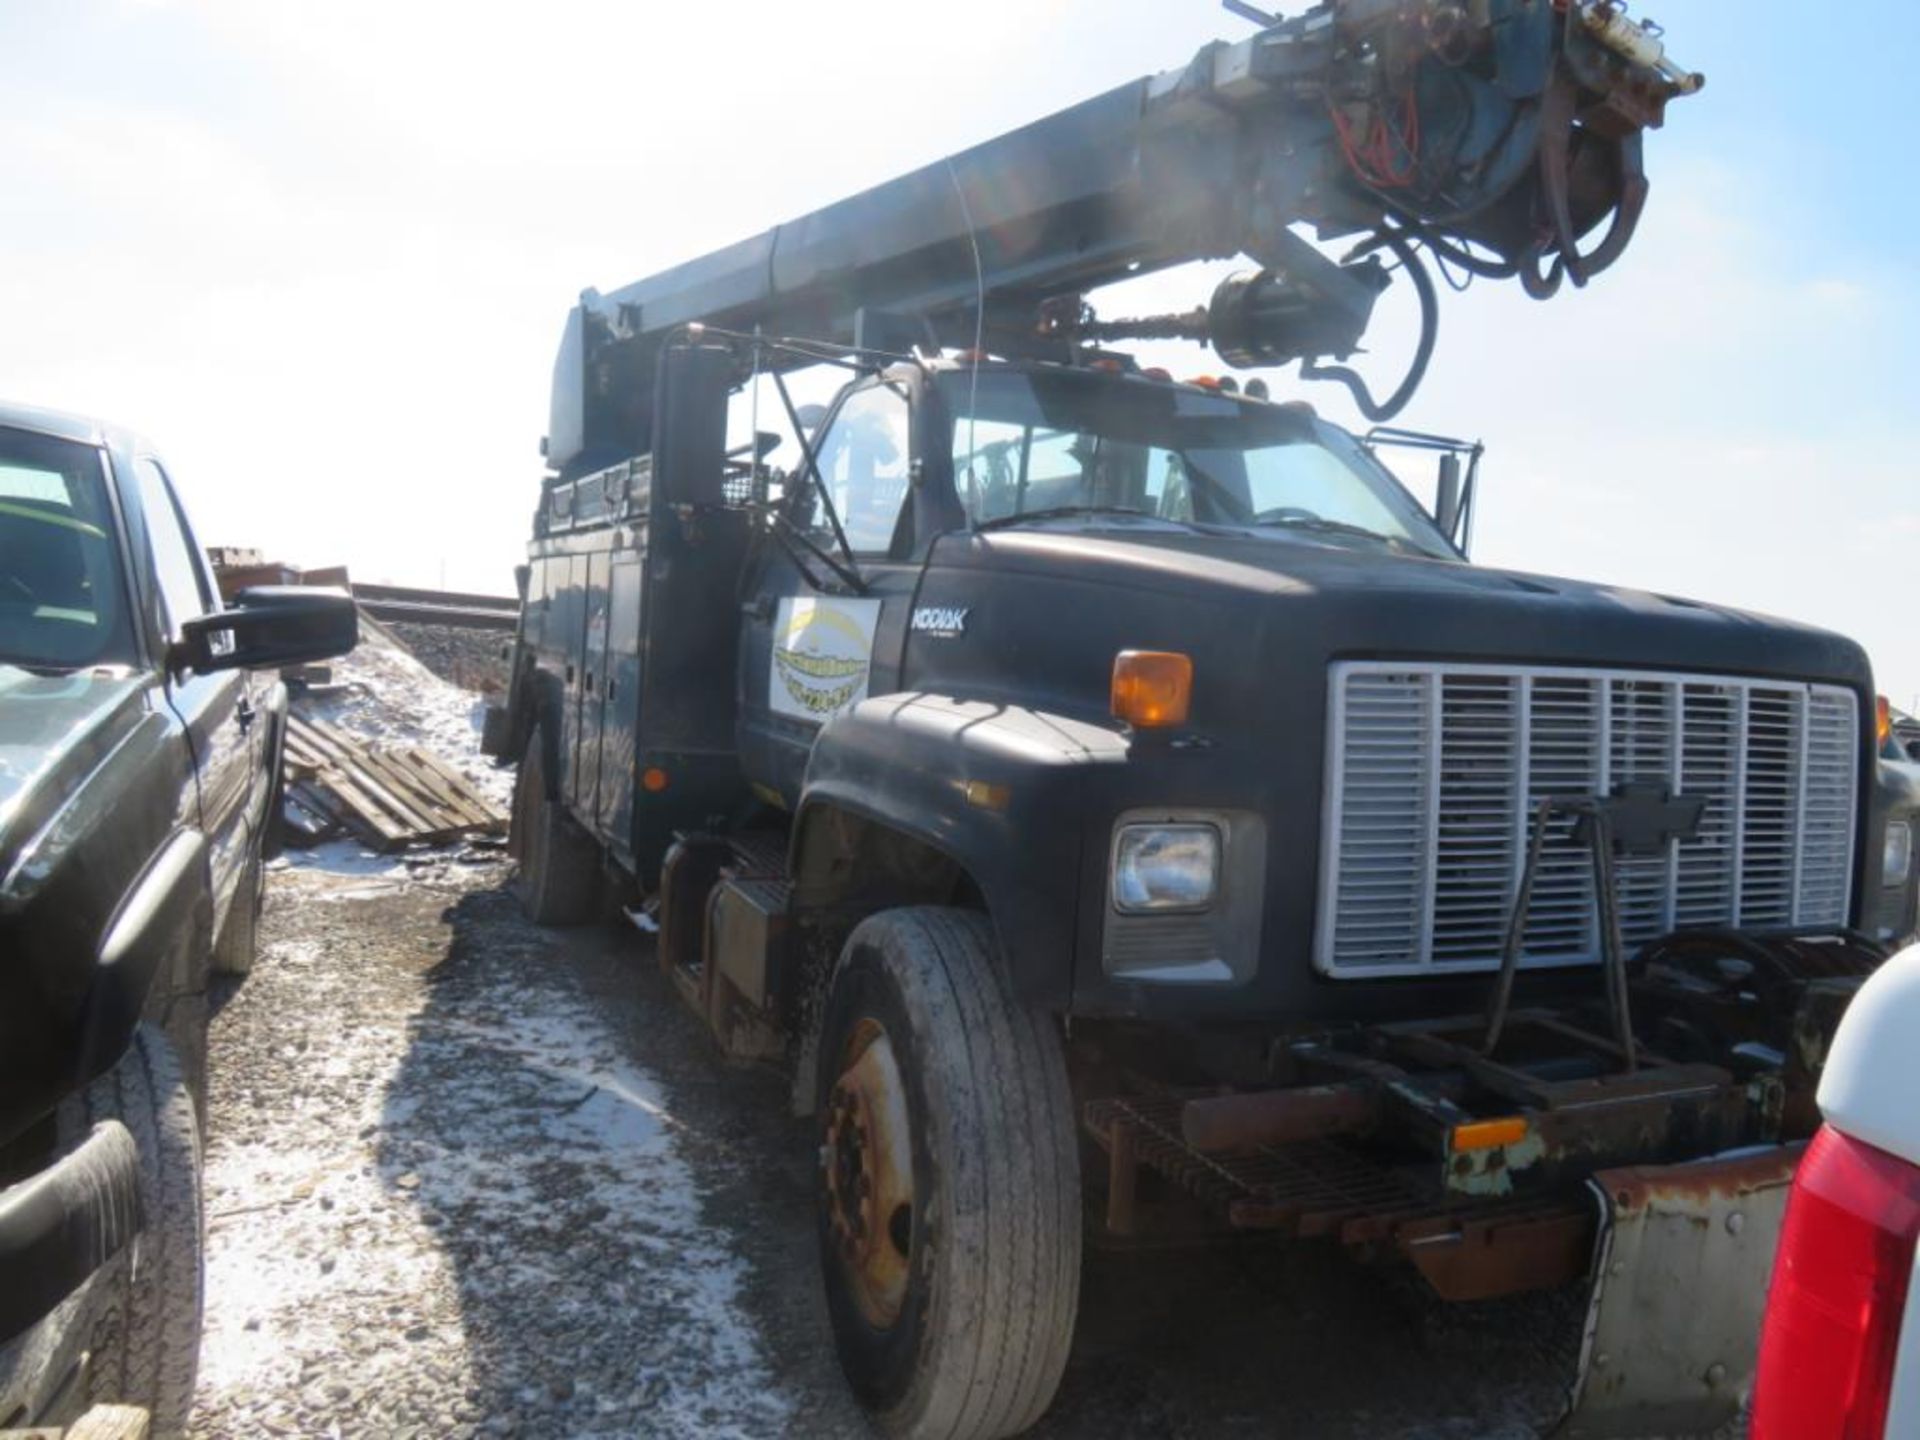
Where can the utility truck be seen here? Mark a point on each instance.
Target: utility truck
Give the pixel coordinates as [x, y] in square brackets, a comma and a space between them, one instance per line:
[1120, 802]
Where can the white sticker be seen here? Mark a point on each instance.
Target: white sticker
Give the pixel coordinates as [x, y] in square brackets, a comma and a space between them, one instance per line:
[822, 651]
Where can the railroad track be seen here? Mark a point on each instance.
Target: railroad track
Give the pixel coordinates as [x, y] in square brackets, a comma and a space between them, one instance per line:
[458, 609]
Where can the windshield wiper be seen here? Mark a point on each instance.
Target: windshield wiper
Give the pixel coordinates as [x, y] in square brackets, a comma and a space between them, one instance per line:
[1057, 512]
[1340, 527]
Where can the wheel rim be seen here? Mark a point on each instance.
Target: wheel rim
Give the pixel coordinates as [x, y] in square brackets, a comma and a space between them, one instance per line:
[868, 1160]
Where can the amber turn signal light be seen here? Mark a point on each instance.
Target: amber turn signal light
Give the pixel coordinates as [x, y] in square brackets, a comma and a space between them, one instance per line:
[1884, 719]
[1488, 1134]
[1152, 689]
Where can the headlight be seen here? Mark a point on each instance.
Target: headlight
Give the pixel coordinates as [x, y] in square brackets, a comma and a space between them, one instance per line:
[1165, 867]
[1897, 861]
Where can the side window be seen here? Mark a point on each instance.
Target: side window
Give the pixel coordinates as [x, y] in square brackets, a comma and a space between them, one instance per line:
[182, 580]
[863, 460]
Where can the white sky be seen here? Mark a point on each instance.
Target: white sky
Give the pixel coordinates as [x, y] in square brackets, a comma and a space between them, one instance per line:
[321, 253]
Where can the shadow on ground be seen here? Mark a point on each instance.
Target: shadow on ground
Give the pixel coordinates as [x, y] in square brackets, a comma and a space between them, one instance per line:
[629, 1223]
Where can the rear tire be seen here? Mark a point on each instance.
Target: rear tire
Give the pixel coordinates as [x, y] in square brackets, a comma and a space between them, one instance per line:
[560, 881]
[146, 1349]
[951, 1252]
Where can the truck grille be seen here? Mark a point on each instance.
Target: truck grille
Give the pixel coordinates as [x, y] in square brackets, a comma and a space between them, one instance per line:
[1434, 771]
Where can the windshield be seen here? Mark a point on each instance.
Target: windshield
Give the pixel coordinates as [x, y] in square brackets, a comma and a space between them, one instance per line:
[60, 588]
[1043, 442]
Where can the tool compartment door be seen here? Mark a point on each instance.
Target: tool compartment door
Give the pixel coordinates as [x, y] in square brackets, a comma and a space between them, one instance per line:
[571, 639]
[592, 691]
[620, 708]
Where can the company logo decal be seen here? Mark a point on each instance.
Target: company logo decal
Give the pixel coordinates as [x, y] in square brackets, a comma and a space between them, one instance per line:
[822, 652]
[944, 620]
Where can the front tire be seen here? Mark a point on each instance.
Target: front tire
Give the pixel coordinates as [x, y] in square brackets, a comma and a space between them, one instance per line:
[949, 1185]
[147, 1348]
[234, 951]
[559, 862]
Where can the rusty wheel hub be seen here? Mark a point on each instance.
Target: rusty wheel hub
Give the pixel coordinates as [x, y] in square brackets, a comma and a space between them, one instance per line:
[868, 1163]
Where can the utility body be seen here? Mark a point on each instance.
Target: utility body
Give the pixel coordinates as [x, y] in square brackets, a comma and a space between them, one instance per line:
[1098, 786]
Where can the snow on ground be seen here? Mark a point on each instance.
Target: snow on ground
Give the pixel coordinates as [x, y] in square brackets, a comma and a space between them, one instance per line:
[441, 1198]
[383, 693]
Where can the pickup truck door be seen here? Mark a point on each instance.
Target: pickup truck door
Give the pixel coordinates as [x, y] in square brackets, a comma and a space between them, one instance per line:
[812, 644]
[216, 710]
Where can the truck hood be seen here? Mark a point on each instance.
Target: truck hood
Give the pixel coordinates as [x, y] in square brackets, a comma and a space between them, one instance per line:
[1340, 603]
[54, 731]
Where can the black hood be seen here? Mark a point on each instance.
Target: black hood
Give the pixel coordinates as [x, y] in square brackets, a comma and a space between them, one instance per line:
[1293, 606]
[54, 731]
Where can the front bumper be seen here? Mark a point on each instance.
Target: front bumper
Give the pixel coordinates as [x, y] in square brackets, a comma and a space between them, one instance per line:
[60, 1226]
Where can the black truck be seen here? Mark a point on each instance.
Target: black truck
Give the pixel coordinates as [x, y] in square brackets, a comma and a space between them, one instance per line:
[139, 773]
[1119, 796]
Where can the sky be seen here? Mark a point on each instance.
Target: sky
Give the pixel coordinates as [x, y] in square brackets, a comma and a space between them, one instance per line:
[321, 253]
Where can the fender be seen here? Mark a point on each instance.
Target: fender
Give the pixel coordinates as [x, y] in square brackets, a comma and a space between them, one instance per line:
[168, 907]
[272, 718]
[999, 789]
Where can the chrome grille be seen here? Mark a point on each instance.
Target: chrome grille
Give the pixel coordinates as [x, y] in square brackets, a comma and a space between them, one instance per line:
[1434, 772]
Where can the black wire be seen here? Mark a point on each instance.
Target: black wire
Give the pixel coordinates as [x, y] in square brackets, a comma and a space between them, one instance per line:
[1398, 242]
[1460, 286]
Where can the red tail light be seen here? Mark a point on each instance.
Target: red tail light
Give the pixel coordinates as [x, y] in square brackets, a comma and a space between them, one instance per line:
[1839, 1294]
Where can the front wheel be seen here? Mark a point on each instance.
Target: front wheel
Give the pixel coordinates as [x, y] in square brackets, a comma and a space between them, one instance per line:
[949, 1182]
[233, 952]
[147, 1347]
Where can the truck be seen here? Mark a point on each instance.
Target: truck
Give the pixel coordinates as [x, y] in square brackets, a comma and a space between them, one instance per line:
[140, 740]
[1119, 802]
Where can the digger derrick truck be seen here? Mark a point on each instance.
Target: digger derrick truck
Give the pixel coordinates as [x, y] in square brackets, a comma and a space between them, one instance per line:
[1120, 797]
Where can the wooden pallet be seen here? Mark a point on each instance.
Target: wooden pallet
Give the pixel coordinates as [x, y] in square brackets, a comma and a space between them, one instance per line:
[388, 795]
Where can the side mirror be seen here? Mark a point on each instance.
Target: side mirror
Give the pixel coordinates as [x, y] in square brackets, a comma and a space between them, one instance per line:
[1446, 504]
[270, 626]
[690, 425]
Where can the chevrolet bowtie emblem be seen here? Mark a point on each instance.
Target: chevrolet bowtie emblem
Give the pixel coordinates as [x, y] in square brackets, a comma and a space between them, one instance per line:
[1646, 818]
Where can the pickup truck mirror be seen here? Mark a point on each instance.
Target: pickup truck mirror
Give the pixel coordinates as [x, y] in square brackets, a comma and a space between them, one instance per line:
[268, 626]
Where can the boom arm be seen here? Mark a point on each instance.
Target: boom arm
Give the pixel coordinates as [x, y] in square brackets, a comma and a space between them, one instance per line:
[1496, 134]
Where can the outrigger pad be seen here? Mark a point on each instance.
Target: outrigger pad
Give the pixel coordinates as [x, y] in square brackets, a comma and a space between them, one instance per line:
[1680, 1284]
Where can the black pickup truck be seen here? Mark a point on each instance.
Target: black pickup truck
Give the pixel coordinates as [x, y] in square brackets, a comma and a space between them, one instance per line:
[139, 754]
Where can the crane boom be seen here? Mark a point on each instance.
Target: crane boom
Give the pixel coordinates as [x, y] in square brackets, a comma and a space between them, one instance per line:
[1495, 134]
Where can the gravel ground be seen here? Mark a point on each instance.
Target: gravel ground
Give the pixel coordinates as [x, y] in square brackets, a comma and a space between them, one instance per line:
[469, 1177]
[470, 659]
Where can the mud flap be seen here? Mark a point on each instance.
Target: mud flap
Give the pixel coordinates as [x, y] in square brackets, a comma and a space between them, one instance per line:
[1680, 1281]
